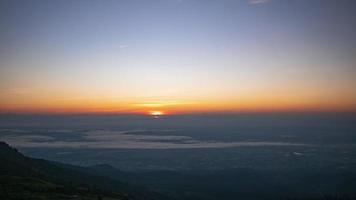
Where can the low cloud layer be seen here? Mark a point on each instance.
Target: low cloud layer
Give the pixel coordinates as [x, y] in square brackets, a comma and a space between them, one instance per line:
[133, 139]
[259, 1]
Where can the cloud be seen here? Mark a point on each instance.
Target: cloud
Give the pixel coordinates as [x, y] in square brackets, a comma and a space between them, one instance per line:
[156, 104]
[123, 46]
[259, 1]
[133, 139]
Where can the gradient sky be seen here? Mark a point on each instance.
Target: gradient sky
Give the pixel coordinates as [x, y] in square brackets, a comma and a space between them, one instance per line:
[177, 56]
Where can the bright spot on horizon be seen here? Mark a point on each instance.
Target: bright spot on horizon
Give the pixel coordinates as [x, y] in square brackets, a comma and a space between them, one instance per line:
[156, 114]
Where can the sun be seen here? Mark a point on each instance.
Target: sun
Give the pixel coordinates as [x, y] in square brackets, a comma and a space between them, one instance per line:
[156, 113]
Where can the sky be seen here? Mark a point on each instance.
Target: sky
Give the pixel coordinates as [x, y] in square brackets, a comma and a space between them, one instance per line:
[177, 56]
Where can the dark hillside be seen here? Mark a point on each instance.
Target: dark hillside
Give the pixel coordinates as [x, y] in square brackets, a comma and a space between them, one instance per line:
[22, 177]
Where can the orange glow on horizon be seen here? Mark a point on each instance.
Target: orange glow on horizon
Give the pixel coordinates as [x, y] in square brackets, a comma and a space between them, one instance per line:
[156, 113]
[63, 103]
[163, 107]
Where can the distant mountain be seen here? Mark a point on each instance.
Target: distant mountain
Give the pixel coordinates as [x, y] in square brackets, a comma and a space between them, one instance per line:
[22, 177]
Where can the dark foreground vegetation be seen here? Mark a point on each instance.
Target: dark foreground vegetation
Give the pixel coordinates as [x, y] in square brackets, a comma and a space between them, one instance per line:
[22, 177]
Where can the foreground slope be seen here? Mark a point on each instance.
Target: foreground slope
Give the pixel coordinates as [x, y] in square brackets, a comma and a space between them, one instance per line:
[22, 177]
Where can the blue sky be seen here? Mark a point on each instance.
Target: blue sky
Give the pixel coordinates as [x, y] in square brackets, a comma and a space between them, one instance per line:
[115, 54]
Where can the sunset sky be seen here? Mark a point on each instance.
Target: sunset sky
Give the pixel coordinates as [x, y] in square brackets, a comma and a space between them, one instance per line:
[177, 56]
